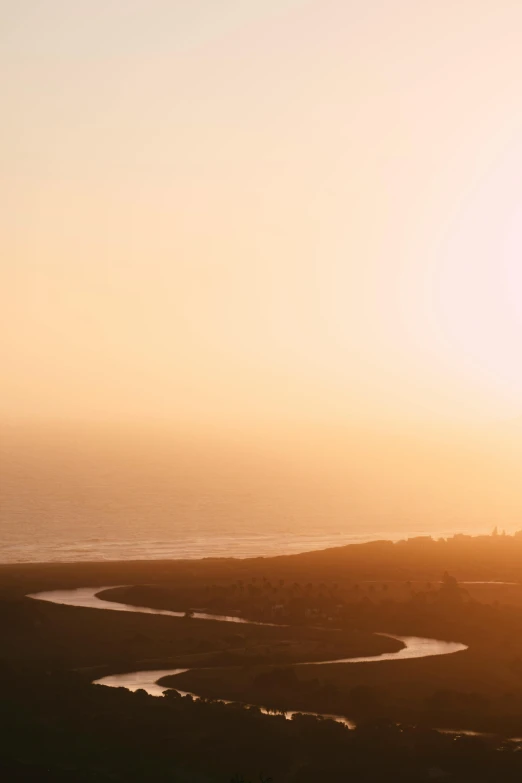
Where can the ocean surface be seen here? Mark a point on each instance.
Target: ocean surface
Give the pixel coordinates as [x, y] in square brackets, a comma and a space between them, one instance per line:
[65, 497]
[50, 546]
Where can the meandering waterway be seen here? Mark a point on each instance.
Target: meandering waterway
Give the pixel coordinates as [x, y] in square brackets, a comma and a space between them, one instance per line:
[149, 680]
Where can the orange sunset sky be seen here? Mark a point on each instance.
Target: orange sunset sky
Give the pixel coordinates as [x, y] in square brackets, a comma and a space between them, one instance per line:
[262, 210]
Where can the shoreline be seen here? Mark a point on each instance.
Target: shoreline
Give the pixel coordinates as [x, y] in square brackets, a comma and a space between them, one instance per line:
[474, 560]
[211, 547]
[74, 639]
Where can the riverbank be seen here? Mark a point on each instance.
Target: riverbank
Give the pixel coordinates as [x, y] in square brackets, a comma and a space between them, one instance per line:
[477, 689]
[284, 688]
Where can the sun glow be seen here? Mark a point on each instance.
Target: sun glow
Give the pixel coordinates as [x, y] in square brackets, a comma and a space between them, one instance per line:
[317, 214]
[477, 297]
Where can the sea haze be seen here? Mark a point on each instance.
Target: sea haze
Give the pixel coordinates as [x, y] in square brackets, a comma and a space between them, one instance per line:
[70, 495]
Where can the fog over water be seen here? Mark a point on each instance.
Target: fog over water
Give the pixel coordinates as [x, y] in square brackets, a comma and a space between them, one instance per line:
[77, 494]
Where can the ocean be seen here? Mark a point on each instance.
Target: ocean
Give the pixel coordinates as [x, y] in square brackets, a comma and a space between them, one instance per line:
[66, 496]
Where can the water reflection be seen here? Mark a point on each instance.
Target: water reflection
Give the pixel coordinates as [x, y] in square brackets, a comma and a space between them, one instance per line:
[148, 680]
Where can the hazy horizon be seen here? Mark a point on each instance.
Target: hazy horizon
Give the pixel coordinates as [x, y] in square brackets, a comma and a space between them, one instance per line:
[121, 492]
[282, 236]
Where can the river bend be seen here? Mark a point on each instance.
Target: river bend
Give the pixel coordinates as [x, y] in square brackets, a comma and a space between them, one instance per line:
[88, 597]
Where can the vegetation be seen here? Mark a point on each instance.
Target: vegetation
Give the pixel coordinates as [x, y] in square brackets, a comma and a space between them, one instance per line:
[56, 726]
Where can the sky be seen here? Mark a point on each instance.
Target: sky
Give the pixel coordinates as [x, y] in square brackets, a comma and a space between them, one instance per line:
[261, 210]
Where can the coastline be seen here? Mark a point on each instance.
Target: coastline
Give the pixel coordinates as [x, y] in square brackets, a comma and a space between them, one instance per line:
[86, 640]
[479, 559]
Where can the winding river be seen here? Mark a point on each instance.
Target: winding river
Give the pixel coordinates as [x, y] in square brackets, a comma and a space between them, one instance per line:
[414, 646]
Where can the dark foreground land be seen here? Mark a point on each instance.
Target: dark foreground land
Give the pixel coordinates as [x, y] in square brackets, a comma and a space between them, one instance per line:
[56, 726]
